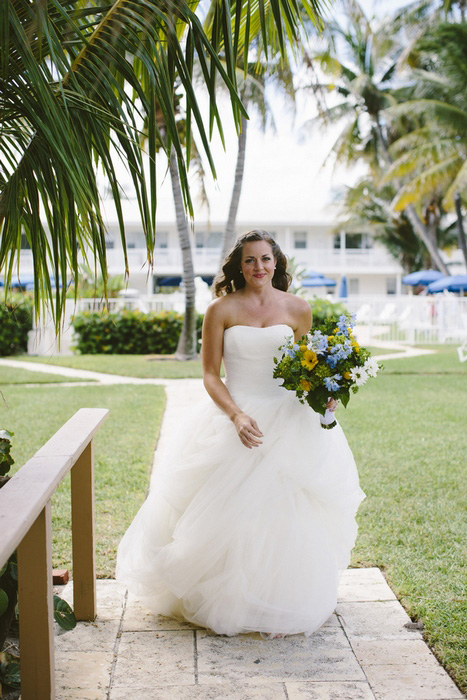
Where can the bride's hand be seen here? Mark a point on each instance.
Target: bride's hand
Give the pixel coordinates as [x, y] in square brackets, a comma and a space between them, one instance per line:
[247, 430]
[332, 404]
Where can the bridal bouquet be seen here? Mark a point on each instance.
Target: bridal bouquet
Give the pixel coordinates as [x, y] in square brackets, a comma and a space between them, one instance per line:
[325, 363]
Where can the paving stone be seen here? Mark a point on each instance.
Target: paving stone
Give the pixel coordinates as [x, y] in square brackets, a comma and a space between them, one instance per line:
[412, 682]
[393, 651]
[110, 595]
[250, 659]
[152, 659]
[375, 620]
[270, 691]
[329, 691]
[82, 671]
[99, 635]
[138, 618]
[368, 575]
[360, 590]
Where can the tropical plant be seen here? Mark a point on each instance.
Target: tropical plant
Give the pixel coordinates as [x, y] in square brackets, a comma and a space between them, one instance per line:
[77, 79]
[361, 61]
[431, 159]
[367, 208]
[252, 81]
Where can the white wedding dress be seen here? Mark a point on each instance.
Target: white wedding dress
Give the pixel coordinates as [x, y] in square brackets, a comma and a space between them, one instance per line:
[240, 540]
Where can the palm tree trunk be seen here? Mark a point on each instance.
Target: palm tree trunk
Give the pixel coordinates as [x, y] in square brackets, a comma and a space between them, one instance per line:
[186, 348]
[229, 234]
[460, 226]
[417, 224]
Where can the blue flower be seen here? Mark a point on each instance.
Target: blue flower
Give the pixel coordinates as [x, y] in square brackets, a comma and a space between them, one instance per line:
[331, 384]
[343, 325]
[291, 352]
[332, 361]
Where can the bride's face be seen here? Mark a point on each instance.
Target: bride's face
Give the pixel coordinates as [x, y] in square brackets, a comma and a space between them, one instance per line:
[257, 263]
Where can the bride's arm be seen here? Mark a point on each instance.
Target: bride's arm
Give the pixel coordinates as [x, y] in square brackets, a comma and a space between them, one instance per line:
[211, 350]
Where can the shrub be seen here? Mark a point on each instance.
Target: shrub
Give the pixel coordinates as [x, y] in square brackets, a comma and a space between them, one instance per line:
[15, 322]
[323, 309]
[128, 332]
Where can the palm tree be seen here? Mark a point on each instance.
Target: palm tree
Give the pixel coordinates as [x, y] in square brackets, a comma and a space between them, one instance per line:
[362, 63]
[431, 159]
[367, 208]
[77, 80]
[252, 86]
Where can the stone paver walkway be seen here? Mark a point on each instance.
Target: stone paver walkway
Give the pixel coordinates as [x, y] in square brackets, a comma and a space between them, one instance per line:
[363, 652]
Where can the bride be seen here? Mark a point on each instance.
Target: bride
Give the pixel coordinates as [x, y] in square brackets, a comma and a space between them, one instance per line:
[251, 523]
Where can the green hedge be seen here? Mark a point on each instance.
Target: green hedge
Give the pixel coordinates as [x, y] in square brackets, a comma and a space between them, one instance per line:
[323, 309]
[15, 322]
[128, 332]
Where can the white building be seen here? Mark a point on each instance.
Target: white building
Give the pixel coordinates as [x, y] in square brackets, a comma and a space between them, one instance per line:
[368, 266]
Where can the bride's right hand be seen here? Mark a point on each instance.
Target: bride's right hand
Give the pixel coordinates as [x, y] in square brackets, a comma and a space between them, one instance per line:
[247, 430]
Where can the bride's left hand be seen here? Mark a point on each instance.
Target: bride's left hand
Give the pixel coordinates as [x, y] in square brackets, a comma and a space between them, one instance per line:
[332, 404]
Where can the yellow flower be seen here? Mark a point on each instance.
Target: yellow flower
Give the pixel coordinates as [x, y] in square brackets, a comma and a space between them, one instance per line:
[336, 330]
[346, 375]
[303, 348]
[310, 359]
[305, 385]
[356, 346]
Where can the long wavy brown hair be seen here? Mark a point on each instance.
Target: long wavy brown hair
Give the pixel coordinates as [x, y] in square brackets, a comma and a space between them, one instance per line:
[231, 278]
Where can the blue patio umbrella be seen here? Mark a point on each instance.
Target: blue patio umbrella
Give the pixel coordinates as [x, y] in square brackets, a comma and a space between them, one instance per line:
[422, 277]
[318, 281]
[343, 287]
[452, 283]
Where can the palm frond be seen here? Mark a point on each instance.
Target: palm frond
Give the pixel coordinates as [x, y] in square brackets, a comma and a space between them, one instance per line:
[434, 179]
[459, 184]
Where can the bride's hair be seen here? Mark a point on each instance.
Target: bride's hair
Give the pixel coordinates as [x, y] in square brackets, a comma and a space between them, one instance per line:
[231, 277]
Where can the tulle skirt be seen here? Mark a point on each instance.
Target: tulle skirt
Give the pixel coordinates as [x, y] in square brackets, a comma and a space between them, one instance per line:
[239, 540]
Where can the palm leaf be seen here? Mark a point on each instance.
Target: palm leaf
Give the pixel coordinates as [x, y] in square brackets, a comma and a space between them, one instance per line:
[434, 179]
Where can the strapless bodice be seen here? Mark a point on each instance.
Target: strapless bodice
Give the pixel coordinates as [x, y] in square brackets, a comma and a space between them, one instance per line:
[249, 353]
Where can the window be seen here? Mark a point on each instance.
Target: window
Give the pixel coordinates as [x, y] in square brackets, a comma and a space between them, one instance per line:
[214, 239]
[199, 239]
[357, 241]
[109, 243]
[337, 241]
[162, 239]
[391, 285]
[300, 239]
[354, 285]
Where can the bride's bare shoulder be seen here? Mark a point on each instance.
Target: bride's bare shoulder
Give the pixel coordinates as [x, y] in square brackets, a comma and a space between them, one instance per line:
[220, 309]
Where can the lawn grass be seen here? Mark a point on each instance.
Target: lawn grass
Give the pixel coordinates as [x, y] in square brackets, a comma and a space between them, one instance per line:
[13, 375]
[124, 450]
[407, 432]
[143, 366]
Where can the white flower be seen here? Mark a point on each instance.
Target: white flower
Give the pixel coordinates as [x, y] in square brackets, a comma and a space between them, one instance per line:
[371, 367]
[358, 375]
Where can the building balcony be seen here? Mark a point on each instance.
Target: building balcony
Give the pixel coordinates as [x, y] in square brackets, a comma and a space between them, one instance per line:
[168, 261]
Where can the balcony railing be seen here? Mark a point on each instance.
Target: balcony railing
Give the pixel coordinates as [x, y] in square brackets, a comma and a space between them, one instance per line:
[206, 260]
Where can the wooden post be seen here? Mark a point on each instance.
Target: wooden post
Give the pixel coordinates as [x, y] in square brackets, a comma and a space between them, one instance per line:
[35, 602]
[82, 525]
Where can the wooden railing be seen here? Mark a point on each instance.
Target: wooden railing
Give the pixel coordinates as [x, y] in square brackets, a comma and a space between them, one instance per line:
[26, 525]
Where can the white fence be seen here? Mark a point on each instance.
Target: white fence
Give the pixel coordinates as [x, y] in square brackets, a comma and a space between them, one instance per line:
[412, 320]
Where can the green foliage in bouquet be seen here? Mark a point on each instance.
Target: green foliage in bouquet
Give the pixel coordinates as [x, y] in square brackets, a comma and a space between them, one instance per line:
[325, 363]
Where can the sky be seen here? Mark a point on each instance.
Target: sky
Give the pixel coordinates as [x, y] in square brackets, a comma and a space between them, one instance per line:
[286, 178]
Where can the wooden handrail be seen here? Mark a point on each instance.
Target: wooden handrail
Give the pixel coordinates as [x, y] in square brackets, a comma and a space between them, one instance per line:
[25, 525]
